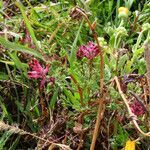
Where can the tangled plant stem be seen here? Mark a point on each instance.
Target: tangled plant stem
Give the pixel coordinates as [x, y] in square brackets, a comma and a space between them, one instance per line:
[132, 116]
[101, 107]
[16, 130]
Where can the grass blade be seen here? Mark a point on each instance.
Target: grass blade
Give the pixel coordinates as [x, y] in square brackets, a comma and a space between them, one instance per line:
[54, 98]
[28, 25]
[20, 48]
[73, 49]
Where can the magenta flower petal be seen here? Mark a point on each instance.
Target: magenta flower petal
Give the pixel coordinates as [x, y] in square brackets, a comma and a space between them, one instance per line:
[81, 51]
[35, 65]
[51, 80]
[43, 81]
[33, 74]
[137, 108]
[38, 72]
[45, 71]
[89, 51]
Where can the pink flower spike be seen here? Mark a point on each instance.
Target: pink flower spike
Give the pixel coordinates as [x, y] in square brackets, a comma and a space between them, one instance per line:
[80, 52]
[35, 65]
[43, 81]
[38, 72]
[45, 71]
[89, 51]
[137, 108]
[34, 74]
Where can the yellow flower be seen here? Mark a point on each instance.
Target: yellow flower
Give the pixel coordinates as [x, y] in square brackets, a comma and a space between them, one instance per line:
[130, 145]
[123, 12]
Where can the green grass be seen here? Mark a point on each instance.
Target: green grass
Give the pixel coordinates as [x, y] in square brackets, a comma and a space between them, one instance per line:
[46, 31]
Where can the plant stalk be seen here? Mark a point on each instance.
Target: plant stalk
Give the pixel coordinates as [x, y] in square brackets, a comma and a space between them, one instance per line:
[101, 106]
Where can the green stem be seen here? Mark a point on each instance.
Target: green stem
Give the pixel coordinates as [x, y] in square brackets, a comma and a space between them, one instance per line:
[121, 23]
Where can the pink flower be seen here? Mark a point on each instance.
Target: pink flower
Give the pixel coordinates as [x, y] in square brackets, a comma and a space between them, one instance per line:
[89, 51]
[137, 108]
[38, 72]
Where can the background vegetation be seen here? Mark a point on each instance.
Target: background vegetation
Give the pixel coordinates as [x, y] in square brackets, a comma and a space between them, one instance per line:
[62, 113]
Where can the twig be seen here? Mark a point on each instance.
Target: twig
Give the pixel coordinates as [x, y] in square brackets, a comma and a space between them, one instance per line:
[81, 142]
[147, 57]
[55, 32]
[132, 116]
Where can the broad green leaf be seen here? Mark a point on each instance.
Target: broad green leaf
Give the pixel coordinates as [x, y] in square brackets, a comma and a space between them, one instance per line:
[75, 75]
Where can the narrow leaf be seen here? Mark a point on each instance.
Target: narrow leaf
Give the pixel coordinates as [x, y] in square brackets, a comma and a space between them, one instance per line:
[17, 47]
[73, 49]
[54, 98]
[27, 22]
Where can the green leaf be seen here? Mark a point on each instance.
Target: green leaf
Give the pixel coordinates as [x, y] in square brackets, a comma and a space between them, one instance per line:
[122, 61]
[128, 66]
[5, 137]
[18, 63]
[107, 73]
[54, 98]
[73, 49]
[75, 103]
[3, 76]
[17, 47]
[137, 53]
[5, 112]
[15, 143]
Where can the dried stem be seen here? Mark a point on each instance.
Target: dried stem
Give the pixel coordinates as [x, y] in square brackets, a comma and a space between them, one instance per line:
[101, 107]
[16, 130]
[132, 116]
[55, 32]
[81, 142]
[147, 58]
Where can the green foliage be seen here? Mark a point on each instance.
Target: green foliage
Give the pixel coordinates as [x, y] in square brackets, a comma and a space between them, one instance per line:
[30, 29]
[17, 47]
[4, 138]
[49, 34]
[119, 138]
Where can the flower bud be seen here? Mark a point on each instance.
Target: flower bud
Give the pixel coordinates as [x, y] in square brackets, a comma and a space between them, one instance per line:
[102, 41]
[121, 32]
[123, 12]
[75, 13]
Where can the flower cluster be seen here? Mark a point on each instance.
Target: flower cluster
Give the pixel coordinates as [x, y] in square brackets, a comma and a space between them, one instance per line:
[137, 108]
[89, 51]
[38, 72]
